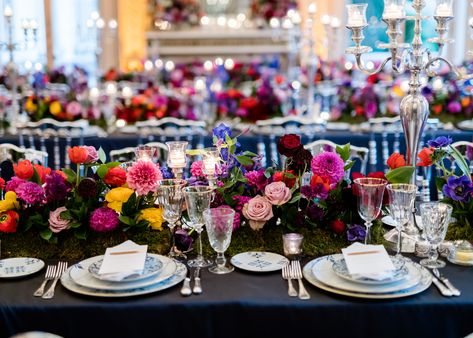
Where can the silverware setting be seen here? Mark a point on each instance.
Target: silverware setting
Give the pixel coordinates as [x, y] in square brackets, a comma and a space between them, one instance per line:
[286, 274]
[294, 271]
[197, 289]
[50, 272]
[54, 273]
[453, 290]
[186, 289]
[442, 288]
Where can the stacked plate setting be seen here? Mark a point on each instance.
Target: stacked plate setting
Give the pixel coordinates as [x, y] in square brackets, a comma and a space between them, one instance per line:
[160, 273]
[330, 273]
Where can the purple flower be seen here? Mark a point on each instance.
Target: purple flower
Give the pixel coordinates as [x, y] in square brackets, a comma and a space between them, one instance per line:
[14, 183]
[87, 188]
[469, 153]
[315, 213]
[356, 233]
[55, 188]
[103, 219]
[30, 193]
[458, 188]
[241, 201]
[256, 178]
[182, 240]
[454, 107]
[328, 165]
[440, 142]
[167, 173]
[221, 130]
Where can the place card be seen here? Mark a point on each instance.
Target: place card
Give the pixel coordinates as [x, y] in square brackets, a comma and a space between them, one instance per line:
[123, 260]
[369, 261]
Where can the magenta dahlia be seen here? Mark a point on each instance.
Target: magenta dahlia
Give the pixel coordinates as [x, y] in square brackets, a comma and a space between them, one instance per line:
[329, 165]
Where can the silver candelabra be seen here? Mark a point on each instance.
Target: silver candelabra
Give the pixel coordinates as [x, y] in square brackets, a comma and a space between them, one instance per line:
[413, 58]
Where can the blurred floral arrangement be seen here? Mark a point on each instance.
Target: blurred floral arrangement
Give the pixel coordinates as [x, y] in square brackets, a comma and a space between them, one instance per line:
[267, 9]
[177, 13]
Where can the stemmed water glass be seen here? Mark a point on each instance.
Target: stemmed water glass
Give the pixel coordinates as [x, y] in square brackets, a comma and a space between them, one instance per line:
[198, 200]
[171, 197]
[435, 219]
[219, 223]
[401, 204]
[369, 193]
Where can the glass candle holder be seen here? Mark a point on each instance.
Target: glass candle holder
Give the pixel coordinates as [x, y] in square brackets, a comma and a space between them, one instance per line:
[357, 15]
[292, 245]
[145, 153]
[177, 156]
[444, 8]
[210, 160]
[394, 9]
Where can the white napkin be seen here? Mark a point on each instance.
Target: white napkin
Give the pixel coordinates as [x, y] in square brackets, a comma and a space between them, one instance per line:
[369, 261]
[123, 260]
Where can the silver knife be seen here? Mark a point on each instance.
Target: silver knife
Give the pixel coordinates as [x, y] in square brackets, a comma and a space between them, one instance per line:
[445, 280]
[197, 285]
[443, 290]
[186, 286]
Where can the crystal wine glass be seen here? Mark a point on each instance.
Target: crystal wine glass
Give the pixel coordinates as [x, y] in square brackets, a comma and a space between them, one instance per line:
[219, 222]
[435, 219]
[171, 197]
[370, 196]
[198, 199]
[401, 204]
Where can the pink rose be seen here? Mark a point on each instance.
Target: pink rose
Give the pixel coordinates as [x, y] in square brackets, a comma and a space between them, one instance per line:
[277, 193]
[92, 154]
[74, 108]
[56, 223]
[258, 210]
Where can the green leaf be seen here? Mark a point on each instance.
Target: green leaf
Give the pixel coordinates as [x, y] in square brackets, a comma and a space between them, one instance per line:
[194, 152]
[295, 198]
[127, 220]
[460, 162]
[71, 175]
[80, 233]
[229, 141]
[349, 165]
[344, 151]
[400, 175]
[249, 153]
[112, 164]
[268, 172]
[439, 182]
[66, 215]
[102, 171]
[46, 234]
[244, 160]
[102, 155]
[75, 225]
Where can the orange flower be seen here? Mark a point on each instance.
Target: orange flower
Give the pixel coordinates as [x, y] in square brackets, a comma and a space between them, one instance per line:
[396, 160]
[316, 179]
[8, 221]
[287, 177]
[42, 171]
[64, 176]
[24, 169]
[77, 154]
[425, 157]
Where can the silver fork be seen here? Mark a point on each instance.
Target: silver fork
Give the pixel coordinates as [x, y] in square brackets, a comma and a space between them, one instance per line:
[50, 272]
[296, 273]
[286, 274]
[61, 267]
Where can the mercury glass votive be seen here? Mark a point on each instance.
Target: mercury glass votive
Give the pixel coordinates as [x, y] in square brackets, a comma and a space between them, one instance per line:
[357, 15]
[177, 157]
[292, 245]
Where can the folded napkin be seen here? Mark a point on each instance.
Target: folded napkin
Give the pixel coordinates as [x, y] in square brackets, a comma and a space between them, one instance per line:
[368, 261]
[122, 261]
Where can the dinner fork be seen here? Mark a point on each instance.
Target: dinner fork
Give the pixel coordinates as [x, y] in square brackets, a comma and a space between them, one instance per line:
[296, 273]
[286, 274]
[50, 272]
[61, 267]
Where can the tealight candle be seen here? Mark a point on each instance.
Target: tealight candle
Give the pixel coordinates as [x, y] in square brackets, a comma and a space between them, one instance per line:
[356, 20]
[7, 12]
[292, 245]
[209, 165]
[461, 253]
[444, 9]
[177, 159]
[393, 11]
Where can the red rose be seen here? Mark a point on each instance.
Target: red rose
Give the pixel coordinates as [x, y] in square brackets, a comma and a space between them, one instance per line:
[377, 174]
[337, 226]
[77, 154]
[115, 177]
[425, 157]
[42, 172]
[8, 221]
[23, 170]
[289, 145]
[396, 160]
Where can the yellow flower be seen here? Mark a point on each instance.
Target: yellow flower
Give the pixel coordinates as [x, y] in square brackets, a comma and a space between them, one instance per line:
[154, 216]
[30, 107]
[55, 108]
[398, 91]
[117, 196]
[9, 202]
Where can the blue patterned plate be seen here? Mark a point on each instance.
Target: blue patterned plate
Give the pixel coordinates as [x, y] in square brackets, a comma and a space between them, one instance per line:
[19, 267]
[257, 261]
[153, 266]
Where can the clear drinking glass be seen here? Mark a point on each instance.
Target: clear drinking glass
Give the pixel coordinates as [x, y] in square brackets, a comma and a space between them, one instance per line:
[219, 222]
[198, 199]
[435, 219]
[369, 193]
[170, 197]
[401, 205]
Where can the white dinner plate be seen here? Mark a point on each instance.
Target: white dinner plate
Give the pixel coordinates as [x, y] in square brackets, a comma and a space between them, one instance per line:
[257, 261]
[423, 283]
[19, 267]
[174, 279]
[79, 273]
[153, 266]
[465, 125]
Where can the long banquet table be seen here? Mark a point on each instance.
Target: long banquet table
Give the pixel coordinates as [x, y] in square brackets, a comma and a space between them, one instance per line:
[240, 305]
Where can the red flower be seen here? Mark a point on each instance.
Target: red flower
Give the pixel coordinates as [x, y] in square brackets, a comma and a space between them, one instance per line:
[115, 177]
[2, 183]
[316, 180]
[425, 157]
[23, 170]
[8, 221]
[77, 154]
[42, 172]
[289, 145]
[287, 177]
[396, 160]
[337, 226]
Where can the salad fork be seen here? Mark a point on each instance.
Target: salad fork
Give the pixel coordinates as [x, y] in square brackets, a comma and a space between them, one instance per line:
[296, 273]
[61, 267]
[50, 272]
[286, 274]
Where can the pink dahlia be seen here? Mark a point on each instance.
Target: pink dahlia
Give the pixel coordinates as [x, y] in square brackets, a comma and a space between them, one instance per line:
[143, 177]
[103, 219]
[328, 165]
[197, 169]
[31, 193]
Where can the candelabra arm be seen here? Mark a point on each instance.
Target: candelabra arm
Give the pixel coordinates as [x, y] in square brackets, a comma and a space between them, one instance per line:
[365, 70]
[458, 73]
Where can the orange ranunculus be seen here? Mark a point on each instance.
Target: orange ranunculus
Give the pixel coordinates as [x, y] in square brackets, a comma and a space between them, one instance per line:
[9, 221]
[23, 170]
[77, 154]
[42, 171]
[287, 177]
[316, 179]
[115, 177]
[396, 160]
[425, 157]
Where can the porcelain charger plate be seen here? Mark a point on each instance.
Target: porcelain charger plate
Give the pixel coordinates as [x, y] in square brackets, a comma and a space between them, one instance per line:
[177, 277]
[79, 273]
[19, 267]
[257, 261]
[319, 273]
